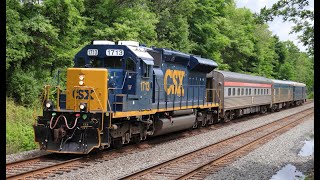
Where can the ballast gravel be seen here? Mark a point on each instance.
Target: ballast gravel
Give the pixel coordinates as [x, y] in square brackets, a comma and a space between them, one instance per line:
[24, 155]
[118, 167]
[268, 159]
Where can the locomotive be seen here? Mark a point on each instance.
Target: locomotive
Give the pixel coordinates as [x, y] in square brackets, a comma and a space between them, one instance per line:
[121, 93]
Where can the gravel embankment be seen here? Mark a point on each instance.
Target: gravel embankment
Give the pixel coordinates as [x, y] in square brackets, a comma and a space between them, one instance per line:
[24, 155]
[116, 168]
[265, 161]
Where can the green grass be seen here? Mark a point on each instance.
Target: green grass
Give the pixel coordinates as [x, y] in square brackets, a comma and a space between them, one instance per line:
[19, 130]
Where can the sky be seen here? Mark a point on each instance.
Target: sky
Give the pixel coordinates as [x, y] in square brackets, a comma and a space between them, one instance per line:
[277, 26]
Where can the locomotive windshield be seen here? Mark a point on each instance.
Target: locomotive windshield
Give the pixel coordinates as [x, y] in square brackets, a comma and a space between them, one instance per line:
[111, 62]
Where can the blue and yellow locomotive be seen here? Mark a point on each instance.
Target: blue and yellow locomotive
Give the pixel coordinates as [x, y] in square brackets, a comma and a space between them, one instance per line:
[121, 93]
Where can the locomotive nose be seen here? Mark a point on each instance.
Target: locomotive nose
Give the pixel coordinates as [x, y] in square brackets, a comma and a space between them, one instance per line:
[87, 89]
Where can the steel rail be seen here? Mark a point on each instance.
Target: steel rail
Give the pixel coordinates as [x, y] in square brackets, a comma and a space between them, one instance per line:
[43, 170]
[140, 173]
[243, 148]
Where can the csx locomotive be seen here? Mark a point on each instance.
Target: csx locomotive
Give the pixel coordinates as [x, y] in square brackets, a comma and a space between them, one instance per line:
[121, 93]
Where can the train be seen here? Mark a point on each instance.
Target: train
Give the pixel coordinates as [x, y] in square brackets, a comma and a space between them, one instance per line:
[123, 93]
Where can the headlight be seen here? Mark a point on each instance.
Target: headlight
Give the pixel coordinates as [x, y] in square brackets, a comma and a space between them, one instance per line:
[81, 83]
[49, 105]
[81, 77]
[83, 107]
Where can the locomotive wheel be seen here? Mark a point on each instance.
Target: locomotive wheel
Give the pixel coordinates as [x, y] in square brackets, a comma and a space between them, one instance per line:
[195, 124]
[136, 139]
[117, 143]
[210, 120]
[204, 121]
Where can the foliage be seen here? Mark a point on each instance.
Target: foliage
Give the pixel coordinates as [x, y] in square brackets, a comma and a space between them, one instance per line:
[19, 131]
[239, 29]
[24, 88]
[296, 12]
[126, 20]
[42, 38]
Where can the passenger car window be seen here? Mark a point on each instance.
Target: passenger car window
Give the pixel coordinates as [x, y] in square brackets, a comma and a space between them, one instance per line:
[250, 91]
[234, 91]
[229, 91]
[255, 91]
[242, 91]
[238, 92]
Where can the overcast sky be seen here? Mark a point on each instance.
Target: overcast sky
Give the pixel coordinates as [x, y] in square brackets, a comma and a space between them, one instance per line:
[282, 29]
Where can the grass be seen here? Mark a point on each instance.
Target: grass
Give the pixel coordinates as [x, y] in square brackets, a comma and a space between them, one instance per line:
[19, 130]
[310, 175]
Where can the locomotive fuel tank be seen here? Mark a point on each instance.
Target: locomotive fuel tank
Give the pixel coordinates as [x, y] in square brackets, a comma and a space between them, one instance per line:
[171, 124]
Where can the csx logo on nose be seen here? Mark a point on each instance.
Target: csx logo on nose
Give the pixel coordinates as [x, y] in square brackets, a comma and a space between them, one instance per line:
[83, 94]
[177, 79]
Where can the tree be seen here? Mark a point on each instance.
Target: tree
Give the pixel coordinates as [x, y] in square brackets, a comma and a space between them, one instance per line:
[239, 28]
[16, 38]
[206, 26]
[173, 29]
[66, 17]
[296, 12]
[121, 20]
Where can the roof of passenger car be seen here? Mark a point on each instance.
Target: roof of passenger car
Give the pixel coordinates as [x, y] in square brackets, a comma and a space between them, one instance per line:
[276, 81]
[239, 77]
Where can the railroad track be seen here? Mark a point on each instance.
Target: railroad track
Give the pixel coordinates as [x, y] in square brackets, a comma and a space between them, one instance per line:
[43, 167]
[53, 164]
[200, 163]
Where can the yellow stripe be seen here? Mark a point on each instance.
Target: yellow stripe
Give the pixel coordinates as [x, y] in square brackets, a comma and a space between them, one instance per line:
[153, 111]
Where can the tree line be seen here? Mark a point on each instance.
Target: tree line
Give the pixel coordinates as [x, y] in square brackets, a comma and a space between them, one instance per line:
[44, 37]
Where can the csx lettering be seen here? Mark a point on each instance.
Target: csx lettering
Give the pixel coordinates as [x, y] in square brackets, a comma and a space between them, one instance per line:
[83, 94]
[145, 85]
[177, 78]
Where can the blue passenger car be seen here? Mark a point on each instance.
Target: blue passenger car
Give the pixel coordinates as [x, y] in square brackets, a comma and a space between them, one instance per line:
[299, 93]
[282, 94]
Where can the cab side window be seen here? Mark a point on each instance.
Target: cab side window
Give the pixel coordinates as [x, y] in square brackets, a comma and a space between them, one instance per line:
[130, 64]
[145, 70]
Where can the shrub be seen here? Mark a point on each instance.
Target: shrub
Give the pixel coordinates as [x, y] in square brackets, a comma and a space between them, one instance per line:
[24, 88]
[19, 130]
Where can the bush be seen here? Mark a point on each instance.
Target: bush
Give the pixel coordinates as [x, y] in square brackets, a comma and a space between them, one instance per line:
[19, 130]
[310, 95]
[24, 88]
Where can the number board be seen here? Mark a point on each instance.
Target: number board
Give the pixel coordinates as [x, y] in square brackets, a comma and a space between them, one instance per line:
[114, 52]
[92, 52]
